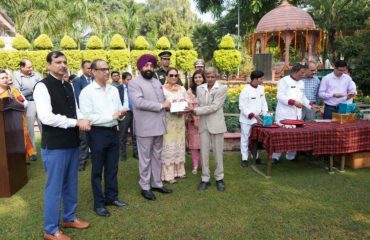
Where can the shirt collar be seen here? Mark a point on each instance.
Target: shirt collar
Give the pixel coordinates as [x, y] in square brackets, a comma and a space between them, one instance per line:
[215, 86]
[96, 86]
[253, 86]
[22, 75]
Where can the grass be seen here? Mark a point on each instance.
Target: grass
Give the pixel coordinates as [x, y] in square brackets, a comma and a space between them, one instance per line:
[300, 201]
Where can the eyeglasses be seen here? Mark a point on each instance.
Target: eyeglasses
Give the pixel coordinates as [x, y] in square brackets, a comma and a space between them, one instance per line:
[102, 69]
[173, 75]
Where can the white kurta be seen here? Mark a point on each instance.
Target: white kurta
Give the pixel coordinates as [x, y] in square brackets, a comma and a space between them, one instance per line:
[252, 100]
[288, 88]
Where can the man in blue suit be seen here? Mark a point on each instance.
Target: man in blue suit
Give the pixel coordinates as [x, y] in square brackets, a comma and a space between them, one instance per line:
[79, 84]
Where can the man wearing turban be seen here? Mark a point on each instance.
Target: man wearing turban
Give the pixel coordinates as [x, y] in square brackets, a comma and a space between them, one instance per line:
[149, 106]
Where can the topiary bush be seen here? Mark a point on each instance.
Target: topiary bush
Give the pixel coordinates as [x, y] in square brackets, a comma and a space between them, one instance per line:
[4, 59]
[163, 43]
[117, 42]
[227, 42]
[43, 42]
[185, 43]
[118, 59]
[38, 59]
[94, 42]
[94, 55]
[21, 43]
[2, 44]
[14, 57]
[141, 43]
[74, 59]
[68, 43]
[185, 60]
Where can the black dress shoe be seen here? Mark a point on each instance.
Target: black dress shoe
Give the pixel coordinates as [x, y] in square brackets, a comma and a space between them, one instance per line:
[258, 161]
[162, 190]
[103, 212]
[117, 203]
[220, 185]
[147, 194]
[244, 163]
[33, 158]
[203, 186]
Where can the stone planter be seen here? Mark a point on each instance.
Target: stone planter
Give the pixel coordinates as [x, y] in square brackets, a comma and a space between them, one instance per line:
[232, 141]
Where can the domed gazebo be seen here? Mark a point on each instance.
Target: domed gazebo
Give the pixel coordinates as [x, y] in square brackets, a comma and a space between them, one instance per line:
[287, 25]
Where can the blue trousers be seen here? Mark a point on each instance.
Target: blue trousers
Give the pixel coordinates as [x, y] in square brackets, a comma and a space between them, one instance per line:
[328, 111]
[61, 167]
[104, 143]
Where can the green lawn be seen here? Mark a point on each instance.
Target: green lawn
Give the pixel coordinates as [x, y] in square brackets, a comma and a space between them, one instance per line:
[300, 201]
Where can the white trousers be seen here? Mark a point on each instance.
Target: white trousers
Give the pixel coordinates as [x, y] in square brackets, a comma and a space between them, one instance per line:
[244, 140]
[288, 155]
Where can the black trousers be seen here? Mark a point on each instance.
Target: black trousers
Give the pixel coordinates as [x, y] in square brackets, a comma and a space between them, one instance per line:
[124, 125]
[103, 143]
[84, 149]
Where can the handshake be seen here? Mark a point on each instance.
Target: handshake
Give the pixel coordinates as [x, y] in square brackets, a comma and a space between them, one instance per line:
[84, 125]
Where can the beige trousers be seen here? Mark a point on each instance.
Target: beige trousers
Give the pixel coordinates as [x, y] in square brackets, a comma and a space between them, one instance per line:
[208, 139]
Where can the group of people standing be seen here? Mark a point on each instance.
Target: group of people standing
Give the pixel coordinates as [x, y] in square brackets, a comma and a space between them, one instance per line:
[298, 96]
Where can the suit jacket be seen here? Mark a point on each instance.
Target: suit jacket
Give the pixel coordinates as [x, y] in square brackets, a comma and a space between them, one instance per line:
[147, 97]
[78, 84]
[210, 108]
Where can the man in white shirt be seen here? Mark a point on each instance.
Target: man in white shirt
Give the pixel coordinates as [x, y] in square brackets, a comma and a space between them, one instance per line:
[252, 103]
[291, 99]
[60, 118]
[100, 103]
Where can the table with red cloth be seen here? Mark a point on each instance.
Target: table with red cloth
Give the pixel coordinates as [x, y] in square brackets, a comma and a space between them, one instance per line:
[319, 137]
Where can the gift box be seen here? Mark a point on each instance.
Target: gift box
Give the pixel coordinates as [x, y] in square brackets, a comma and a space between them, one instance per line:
[347, 108]
[343, 118]
[267, 120]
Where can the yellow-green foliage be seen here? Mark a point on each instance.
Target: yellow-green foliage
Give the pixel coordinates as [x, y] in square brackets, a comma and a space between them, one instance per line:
[20, 43]
[227, 60]
[117, 42]
[38, 59]
[173, 57]
[118, 59]
[68, 43]
[14, 57]
[2, 44]
[163, 43]
[185, 43]
[141, 43]
[94, 54]
[3, 59]
[74, 59]
[246, 64]
[185, 60]
[94, 42]
[227, 42]
[135, 54]
[43, 42]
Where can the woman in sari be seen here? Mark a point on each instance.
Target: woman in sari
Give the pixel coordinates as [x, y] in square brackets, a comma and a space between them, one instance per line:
[7, 91]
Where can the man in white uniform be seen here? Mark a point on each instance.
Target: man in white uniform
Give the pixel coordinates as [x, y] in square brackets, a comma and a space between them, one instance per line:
[291, 99]
[252, 103]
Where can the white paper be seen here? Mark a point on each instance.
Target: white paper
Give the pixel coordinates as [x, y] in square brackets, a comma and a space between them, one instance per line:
[178, 106]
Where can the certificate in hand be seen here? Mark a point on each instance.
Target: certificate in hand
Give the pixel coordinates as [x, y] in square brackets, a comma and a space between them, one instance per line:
[178, 106]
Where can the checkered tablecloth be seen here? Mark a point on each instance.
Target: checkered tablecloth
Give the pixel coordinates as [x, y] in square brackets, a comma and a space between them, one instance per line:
[320, 138]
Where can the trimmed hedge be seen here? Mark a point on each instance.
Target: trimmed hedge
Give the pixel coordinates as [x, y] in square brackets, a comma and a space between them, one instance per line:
[117, 42]
[141, 43]
[94, 55]
[21, 43]
[74, 59]
[185, 43]
[163, 44]
[68, 43]
[227, 42]
[2, 44]
[94, 42]
[185, 60]
[227, 60]
[118, 59]
[43, 42]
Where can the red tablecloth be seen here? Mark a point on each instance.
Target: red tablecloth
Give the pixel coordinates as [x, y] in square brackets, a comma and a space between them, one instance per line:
[321, 138]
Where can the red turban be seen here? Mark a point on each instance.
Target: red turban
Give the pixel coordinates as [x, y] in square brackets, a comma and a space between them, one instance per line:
[144, 59]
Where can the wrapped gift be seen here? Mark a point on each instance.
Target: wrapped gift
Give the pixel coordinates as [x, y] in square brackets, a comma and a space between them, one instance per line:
[267, 120]
[347, 108]
[343, 118]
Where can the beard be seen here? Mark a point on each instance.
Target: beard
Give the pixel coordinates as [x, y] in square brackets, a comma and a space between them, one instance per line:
[147, 74]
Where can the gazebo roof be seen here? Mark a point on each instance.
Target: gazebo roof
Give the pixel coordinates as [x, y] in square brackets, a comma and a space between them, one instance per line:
[285, 17]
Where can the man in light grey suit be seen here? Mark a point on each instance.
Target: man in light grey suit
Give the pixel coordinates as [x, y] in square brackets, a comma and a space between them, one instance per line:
[149, 107]
[211, 97]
